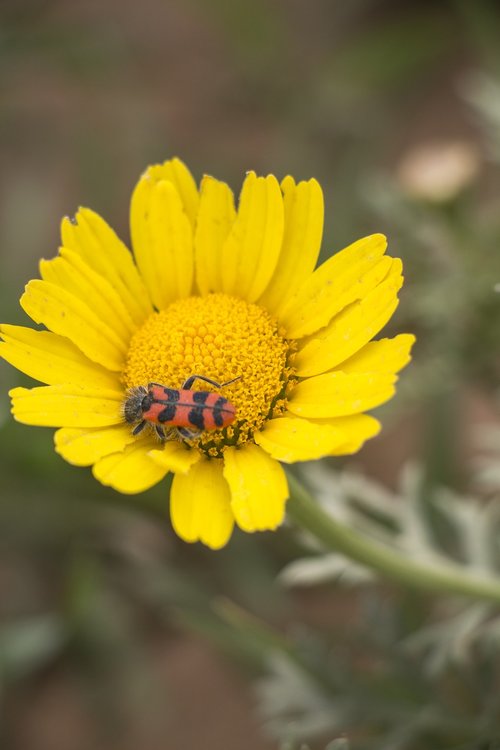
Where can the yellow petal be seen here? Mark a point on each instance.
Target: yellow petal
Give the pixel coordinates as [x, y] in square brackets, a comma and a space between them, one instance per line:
[386, 355]
[215, 219]
[73, 275]
[176, 172]
[65, 314]
[98, 245]
[346, 277]
[357, 428]
[258, 485]
[336, 394]
[251, 251]
[67, 406]
[129, 471]
[162, 240]
[352, 328]
[200, 505]
[52, 359]
[83, 447]
[174, 456]
[292, 439]
[304, 213]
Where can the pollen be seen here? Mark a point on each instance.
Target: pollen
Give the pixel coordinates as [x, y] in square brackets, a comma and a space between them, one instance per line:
[220, 337]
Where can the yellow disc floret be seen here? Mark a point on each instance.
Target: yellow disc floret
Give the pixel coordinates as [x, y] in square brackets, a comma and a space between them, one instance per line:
[221, 337]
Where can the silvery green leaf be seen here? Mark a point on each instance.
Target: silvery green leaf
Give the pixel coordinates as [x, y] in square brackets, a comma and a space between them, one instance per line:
[475, 527]
[29, 643]
[355, 500]
[292, 705]
[328, 490]
[342, 743]
[372, 494]
[310, 571]
[449, 641]
[415, 534]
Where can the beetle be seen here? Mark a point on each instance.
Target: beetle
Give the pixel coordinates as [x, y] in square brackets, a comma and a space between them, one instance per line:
[187, 411]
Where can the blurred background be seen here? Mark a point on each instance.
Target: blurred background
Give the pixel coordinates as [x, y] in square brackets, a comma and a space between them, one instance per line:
[113, 633]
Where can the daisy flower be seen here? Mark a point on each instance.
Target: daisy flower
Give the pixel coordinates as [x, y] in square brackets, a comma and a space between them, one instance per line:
[225, 292]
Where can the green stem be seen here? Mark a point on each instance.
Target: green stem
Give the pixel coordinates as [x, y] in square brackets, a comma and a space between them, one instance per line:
[446, 578]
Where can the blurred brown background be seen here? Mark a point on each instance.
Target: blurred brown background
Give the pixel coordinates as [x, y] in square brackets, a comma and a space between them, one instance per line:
[108, 638]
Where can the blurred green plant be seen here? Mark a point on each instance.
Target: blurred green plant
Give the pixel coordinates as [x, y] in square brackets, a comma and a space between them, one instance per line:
[439, 529]
[410, 555]
[339, 744]
[414, 672]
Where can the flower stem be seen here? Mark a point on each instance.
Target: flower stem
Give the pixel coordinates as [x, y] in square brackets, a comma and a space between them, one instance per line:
[446, 578]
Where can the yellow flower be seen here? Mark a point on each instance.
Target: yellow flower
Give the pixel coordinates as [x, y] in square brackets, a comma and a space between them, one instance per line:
[221, 292]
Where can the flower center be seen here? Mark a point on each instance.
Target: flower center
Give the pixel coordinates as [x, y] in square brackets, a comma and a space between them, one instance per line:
[220, 337]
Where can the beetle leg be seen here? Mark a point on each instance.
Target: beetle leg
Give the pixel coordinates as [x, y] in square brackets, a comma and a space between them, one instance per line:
[139, 428]
[189, 382]
[187, 434]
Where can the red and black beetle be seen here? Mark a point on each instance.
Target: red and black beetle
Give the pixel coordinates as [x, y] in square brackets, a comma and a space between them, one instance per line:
[189, 412]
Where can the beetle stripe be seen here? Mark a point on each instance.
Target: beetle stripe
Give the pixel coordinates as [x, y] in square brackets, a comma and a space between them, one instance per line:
[218, 411]
[197, 417]
[167, 414]
[163, 394]
[201, 397]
